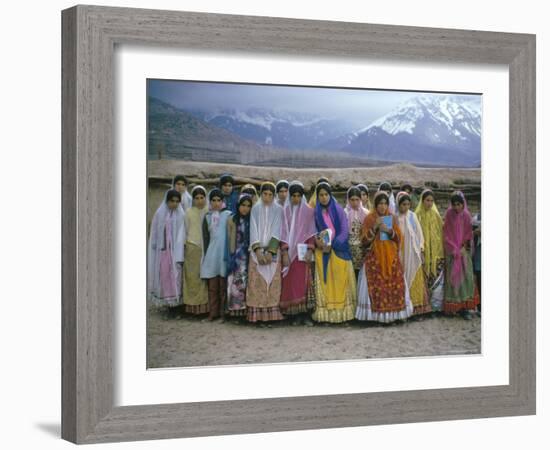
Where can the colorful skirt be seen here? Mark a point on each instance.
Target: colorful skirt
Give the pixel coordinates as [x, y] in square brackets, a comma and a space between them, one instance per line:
[296, 288]
[195, 290]
[262, 300]
[335, 296]
[419, 294]
[382, 299]
[465, 296]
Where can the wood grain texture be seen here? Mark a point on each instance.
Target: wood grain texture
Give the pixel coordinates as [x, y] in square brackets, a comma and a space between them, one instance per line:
[89, 36]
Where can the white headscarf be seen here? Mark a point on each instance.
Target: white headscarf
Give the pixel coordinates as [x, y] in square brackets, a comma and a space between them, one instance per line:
[157, 241]
[410, 251]
[265, 224]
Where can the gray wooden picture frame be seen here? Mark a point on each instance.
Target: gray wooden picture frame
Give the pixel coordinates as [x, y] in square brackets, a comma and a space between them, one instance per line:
[90, 34]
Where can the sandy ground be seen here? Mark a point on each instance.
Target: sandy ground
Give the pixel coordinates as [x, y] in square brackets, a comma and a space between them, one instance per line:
[191, 342]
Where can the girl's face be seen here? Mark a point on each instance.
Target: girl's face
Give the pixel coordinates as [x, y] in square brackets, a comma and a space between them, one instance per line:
[244, 208]
[173, 203]
[199, 201]
[324, 197]
[355, 202]
[404, 206]
[382, 207]
[227, 188]
[267, 197]
[180, 186]
[282, 194]
[216, 203]
[428, 202]
[296, 198]
[458, 207]
[364, 198]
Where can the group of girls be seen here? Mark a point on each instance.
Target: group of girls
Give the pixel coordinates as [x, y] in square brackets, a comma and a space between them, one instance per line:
[268, 255]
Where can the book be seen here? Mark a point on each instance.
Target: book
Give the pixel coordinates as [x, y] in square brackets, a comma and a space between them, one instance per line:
[326, 236]
[387, 220]
[302, 251]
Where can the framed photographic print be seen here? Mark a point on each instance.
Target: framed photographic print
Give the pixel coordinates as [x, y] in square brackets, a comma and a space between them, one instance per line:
[268, 222]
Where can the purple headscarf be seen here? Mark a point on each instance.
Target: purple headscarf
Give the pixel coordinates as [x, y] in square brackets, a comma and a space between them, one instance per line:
[340, 243]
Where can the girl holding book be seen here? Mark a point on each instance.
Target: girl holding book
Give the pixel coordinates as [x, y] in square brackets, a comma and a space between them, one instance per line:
[383, 296]
[264, 269]
[411, 253]
[297, 245]
[238, 241]
[195, 289]
[460, 288]
[214, 266]
[335, 286]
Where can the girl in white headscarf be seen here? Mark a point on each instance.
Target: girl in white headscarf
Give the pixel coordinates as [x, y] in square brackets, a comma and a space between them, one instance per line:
[264, 271]
[411, 254]
[166, 252]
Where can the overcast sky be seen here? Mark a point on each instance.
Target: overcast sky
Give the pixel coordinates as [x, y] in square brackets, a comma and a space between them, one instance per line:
[361, 105]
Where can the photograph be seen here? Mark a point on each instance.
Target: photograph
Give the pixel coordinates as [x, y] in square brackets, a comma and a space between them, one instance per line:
[294, 224]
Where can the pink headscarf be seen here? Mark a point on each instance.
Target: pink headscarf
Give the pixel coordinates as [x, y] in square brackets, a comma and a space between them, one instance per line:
[457, 230]
[298, 226]
[355, 214]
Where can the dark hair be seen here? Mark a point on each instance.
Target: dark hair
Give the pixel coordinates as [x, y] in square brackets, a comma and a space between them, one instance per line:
[296, 188]
[385, 187]
[226, 178]
[407, 186]
[215, 193]
[322, 180]
[171, 194]
[363, 188]
[403, 197]
[198, 190]
[267, 187]
[249, 191]
[323, 185]
[379, 196]
[426, 193]
[354, 192]
[244, 198]
[180, 178]
[281, 184]
[457, 198]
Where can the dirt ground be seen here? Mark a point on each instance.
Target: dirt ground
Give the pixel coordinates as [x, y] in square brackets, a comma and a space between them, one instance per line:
[191, 342]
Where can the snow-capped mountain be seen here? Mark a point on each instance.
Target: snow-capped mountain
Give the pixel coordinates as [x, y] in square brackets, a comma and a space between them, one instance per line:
[284, 129]
[435, 129]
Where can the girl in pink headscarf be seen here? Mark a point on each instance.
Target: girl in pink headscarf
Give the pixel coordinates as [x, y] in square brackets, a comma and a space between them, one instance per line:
[297, 244]
[460, 291]
[356, 213]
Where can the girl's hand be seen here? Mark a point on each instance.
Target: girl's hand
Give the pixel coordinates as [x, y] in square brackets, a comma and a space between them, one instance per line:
[309, 255]
[327, 249]
[284, 260]
[260, 256]
[319, 242]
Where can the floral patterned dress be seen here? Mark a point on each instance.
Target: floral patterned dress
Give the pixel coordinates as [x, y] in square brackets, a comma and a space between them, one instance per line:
[237, 279]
